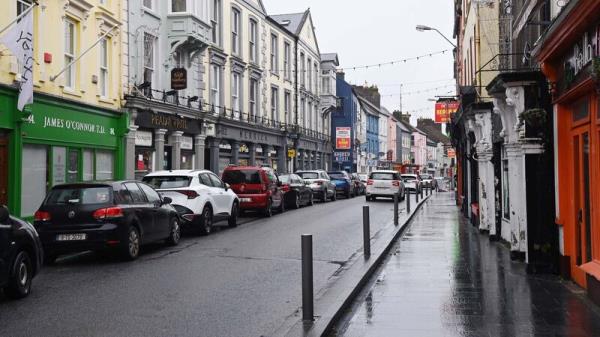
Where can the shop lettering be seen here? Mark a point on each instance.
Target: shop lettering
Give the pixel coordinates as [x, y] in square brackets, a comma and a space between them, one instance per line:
[583, 54]
[256, 136]
[168, 122]
[59, 123]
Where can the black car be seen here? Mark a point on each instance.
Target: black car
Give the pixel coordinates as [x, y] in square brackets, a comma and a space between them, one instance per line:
[20, 255]
[119, 215]
[296, 192]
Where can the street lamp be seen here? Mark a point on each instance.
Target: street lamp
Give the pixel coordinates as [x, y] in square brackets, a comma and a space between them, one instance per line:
[422, 28]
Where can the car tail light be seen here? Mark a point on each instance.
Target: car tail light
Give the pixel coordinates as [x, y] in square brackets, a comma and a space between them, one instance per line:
[396, 183]
[189, 194]
[319, 183]
[108, 213]
[42, 216]
[370, 182]
[265, 187]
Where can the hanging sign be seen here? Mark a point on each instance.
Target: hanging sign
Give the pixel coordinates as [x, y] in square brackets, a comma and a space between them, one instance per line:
[179, 79]
[444, 111]
[342, 138]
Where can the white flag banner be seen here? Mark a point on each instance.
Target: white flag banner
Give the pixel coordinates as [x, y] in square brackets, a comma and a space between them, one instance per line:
[19, 40]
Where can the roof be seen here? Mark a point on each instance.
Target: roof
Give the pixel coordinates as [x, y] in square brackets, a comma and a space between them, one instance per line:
[408, 127]
[401, 125]
[368, 106]
[330, 57]
[296, 21]
[385, 112]
[435, 134]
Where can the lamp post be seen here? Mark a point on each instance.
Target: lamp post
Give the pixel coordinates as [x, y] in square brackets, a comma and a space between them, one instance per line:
[422, 28]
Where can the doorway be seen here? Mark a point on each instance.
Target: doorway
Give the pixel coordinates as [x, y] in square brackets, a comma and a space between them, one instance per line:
[581, 175]
[3, 170]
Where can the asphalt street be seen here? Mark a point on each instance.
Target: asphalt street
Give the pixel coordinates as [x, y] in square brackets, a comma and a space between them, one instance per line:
[235, 282]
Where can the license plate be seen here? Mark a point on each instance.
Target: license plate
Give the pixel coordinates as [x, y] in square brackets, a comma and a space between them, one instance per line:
[246, 199]
[71, 237]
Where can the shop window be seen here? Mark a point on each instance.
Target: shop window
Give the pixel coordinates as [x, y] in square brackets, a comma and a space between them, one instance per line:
[73, 166]
[187, 160]
[104, 165]
[143, 162]
[59, 168]
[34, 174]
[88, 165]
[581, 110]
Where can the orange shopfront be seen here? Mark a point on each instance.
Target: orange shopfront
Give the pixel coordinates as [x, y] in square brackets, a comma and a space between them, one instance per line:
[570, 58]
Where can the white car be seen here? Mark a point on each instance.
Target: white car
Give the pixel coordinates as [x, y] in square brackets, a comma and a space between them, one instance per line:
[384, 183]
[412, 182]
[200, 197]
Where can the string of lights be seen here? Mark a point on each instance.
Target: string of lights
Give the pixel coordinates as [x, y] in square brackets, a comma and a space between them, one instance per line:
[416, 92]
[391, 63]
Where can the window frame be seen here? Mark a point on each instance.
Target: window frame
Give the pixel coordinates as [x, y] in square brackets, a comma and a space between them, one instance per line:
[236, 92]
[253, 97]
[253, 40]
[274, 54]
[69, 56]
[186, 10]
[104, 69]
[274, 103]
[287, 106]
[302, 70]
[216, 22]
[151, 2]
[236, 31]
[215, 90]
[287, 62]
[309, 73]
[152, 69]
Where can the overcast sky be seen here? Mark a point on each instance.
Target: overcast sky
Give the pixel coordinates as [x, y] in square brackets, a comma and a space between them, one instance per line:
[377, 31]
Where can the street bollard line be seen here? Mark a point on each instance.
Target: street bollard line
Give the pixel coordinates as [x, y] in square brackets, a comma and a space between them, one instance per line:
[366, 232]
[407, 197]
[396, 209]
[307, 278]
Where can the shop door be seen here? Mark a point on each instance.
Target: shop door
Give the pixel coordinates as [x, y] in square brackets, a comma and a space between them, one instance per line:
[3, 170]
[581, 172]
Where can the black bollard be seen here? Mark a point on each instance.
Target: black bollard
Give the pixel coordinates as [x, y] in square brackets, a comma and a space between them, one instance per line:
[366, 231]
[307, 278]
[417, 197]
[407, 197]
[396, 209]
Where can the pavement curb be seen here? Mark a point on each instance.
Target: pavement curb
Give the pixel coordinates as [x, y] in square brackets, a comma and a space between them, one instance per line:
[333, 305]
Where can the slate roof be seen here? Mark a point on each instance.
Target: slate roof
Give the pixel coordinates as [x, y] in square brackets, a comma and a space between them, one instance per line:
[330, 57]
[435, 134]
[296, 21]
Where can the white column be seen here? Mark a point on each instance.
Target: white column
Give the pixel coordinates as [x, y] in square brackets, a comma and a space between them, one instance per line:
[176, 150]
[518, 200]
[130, 152]
[200, 145]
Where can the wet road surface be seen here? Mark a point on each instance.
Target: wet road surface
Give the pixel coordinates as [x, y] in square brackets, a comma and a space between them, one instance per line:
[445, 279]
[235, 282]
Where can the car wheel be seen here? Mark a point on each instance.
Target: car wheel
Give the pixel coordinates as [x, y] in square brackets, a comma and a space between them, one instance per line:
[367, 198]
[334, 197]
[348, 194]
[296, 203]
[311, 200]
[19, 282]
[324, 196]
[282, 207]
[268, 211]
[131, 250]
[175, 233]
[206, 221]
[232, 222]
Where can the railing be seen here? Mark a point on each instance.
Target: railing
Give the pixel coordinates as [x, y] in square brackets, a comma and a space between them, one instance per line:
[193, 103]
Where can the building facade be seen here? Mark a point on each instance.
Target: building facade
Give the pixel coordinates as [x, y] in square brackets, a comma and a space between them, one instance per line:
[344, 126]
[74, 130]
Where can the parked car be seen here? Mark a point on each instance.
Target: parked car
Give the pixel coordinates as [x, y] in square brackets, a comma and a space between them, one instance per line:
[200, 197]
[343, 183]
[258, 188]
[385, 183]
[21, 255]
[427, 180]
[295, 191]
[320, 184]
[361, 187]
[120, 215]
[412, 183]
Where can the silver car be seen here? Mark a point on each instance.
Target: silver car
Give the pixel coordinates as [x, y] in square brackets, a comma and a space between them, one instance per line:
[320, 184]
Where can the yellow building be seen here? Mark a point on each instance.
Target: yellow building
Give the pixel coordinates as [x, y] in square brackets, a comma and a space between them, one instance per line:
[74, 130]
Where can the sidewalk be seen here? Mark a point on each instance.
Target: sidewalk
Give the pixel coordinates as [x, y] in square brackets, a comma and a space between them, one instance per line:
[445, 279]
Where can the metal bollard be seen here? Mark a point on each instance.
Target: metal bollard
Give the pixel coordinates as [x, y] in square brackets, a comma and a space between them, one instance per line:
[421, 193]
[417, 197]
[407, 197]
[396, 209]
[307, 278]
[366, 231]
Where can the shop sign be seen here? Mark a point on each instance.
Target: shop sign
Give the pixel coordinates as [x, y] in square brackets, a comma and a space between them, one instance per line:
[179, 79]
[148, 119]
[342, 138]
[444, 110]
[291, 153]
[187, 143]
[56, 123]
[143, 138]
[341, 156]
[582, 54]
[245, 135]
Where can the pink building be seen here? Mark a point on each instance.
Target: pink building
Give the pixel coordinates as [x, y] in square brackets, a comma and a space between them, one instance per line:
[419, 149]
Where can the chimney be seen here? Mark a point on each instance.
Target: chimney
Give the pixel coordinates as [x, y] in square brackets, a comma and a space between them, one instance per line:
[370, 93]
[405, 117]
[428, 122]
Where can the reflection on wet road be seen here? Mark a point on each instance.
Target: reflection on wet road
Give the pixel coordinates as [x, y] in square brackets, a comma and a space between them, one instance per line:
[445, 279]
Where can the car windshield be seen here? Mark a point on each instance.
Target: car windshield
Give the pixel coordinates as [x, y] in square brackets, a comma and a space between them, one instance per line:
[162, 182]
[309, 175]
[285, 179]
[241, 177]
[336, 175]
[409, 178]
[363, 177]
[425, 176]
[79, 195]
[382, 176]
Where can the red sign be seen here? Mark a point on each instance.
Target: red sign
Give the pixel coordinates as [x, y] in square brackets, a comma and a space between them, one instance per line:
[342, 138]
[444, 110]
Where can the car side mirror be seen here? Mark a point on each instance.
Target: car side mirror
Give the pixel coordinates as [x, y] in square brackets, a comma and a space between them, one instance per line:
[227, 187]
[167, 200]
[4, 214]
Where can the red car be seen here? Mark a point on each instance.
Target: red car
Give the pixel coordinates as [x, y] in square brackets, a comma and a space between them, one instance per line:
[258, 188]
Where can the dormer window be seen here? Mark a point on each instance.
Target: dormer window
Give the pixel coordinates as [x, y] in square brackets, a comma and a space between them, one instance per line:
[285, 22]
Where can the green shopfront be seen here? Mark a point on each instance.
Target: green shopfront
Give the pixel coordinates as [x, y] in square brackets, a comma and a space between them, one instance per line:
[59, 142]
